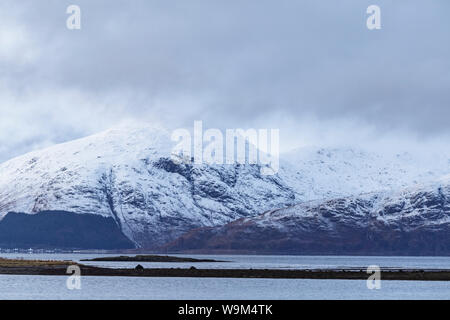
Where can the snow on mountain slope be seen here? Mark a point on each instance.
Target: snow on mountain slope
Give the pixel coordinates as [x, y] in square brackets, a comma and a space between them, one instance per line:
[127, 173]
[415, 221]
[318, 173]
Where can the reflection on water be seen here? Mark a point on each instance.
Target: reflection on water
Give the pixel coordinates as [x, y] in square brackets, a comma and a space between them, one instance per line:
[54, 287]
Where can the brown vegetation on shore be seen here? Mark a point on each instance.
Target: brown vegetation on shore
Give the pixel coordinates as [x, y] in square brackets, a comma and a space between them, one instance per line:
[11, 263]
[44, 267]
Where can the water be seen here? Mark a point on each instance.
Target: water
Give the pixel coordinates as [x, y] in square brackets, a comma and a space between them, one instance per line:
[253, 261]
[54, 287]
[256, 262]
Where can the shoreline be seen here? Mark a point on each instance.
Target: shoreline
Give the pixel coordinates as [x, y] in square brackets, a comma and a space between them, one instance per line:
[342, 274]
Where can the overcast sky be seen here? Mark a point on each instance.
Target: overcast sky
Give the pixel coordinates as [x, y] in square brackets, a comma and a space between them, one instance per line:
[310, 68]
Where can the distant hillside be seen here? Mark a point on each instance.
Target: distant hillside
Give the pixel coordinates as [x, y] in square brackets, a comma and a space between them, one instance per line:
[60, 229]
[411, 222]
[126, 173]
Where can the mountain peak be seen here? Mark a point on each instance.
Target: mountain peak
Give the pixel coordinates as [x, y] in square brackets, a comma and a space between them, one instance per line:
[127, 173]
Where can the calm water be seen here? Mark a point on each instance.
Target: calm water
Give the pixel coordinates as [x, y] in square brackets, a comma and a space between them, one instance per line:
[54, 287]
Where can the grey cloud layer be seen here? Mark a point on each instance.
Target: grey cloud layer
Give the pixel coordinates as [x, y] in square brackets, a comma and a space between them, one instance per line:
[230, 63]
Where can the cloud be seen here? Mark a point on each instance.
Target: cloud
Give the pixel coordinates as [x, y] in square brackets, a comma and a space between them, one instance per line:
[231, 64]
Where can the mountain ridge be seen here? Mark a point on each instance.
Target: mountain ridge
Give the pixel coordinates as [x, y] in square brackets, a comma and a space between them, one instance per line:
[414, 221]
[127, 173]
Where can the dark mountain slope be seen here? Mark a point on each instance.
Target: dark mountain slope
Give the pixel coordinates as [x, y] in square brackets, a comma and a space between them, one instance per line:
[59, 229]
[413, 222]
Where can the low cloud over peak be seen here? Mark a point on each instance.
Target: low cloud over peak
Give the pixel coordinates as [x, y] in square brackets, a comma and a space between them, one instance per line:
[310, 68]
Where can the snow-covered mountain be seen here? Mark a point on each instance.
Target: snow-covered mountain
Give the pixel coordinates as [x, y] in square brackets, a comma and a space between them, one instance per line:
[127, 173]
[319, 173]
[415, 221]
